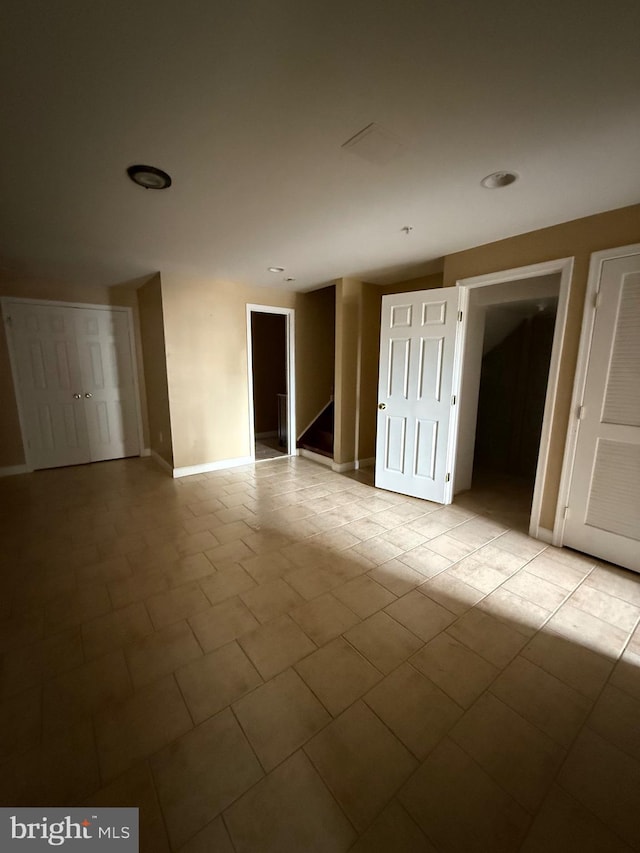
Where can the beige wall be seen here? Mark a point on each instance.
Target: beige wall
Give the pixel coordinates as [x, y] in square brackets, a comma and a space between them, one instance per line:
[206, 342]
[348, 299]
[11, 448]
[577, 239]
[155, 367]
[315, 353]
[423, 282]
[357, 354]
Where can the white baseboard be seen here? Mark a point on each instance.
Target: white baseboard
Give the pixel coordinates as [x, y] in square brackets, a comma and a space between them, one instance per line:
[315, 457]
[338, 467]
[161, 462]
[341, 467]
[272, 434]
[365, 463]
[543, 534]
[212, 466]
[146, 451]
[11, 470]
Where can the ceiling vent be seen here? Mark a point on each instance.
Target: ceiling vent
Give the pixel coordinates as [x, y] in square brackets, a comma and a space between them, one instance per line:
[375, 145]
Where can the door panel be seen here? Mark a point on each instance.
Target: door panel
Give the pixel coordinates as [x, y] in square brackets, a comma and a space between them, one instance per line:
[603, 516]
[417, 343]
[49, 376]
[107, 383]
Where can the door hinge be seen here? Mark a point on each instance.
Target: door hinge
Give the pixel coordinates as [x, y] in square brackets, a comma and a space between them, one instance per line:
[447, 478]
[459, 316]
[596, 299]
[9, 321]
[566, 512]
[453, 400]
[580, 412]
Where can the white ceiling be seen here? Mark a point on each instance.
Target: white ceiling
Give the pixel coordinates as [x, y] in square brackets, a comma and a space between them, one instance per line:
[247, 104]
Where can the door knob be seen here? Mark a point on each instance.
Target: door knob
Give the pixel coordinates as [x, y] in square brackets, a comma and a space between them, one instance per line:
[88, 396]
[77, 396]
[382, 406]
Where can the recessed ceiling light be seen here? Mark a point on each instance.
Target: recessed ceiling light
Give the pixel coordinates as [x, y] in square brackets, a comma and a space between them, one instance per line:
[149, 177]
[497, 180]
[275, 269]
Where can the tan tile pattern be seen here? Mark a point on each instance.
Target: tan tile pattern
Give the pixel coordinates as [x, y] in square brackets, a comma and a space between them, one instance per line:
[279, 657]
[290, 809]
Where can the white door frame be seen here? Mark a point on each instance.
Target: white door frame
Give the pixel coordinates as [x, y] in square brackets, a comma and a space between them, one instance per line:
[289, 314]
[579, 383]
[6, 302]
[563, 266]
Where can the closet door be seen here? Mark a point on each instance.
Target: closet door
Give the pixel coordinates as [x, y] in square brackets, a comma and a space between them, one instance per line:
[603, 513]
[50, 388]
[107, 379]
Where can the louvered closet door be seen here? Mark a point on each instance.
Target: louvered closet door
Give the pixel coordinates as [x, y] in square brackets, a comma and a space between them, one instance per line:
[603, 517]
[46, 359]
[107, 382]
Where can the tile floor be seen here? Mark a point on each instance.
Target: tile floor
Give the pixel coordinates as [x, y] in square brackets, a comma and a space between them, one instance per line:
[268, 448]
[281, 658]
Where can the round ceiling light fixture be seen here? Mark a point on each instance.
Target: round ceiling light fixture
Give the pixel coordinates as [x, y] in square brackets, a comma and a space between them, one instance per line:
[497, 180]
[149, 177]
[275, 269]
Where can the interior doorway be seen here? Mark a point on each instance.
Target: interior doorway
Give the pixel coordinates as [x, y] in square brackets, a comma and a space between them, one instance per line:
[516, 354]
[510, 349]
[431, 351]
[269, 349]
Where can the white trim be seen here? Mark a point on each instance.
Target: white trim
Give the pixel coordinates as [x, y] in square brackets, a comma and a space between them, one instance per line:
[12, 470]
[134, 368]
[7, 301]
[564, 266]
[270, 459]
[146, 451]
[316, 457]
[545, 535]
[289, 314]
[338, 467]
[188, 470]
[341, 467]
[530, 271]
[161, 462]
[456, 383]
[580, 379]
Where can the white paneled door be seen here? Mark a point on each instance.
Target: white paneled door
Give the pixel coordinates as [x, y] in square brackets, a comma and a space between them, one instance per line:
[107, 383]
[417, 345]
[603, 515]
[46, 362]
[75, 377]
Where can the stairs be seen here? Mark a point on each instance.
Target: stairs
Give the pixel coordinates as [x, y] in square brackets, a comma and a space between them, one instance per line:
[318, 436]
